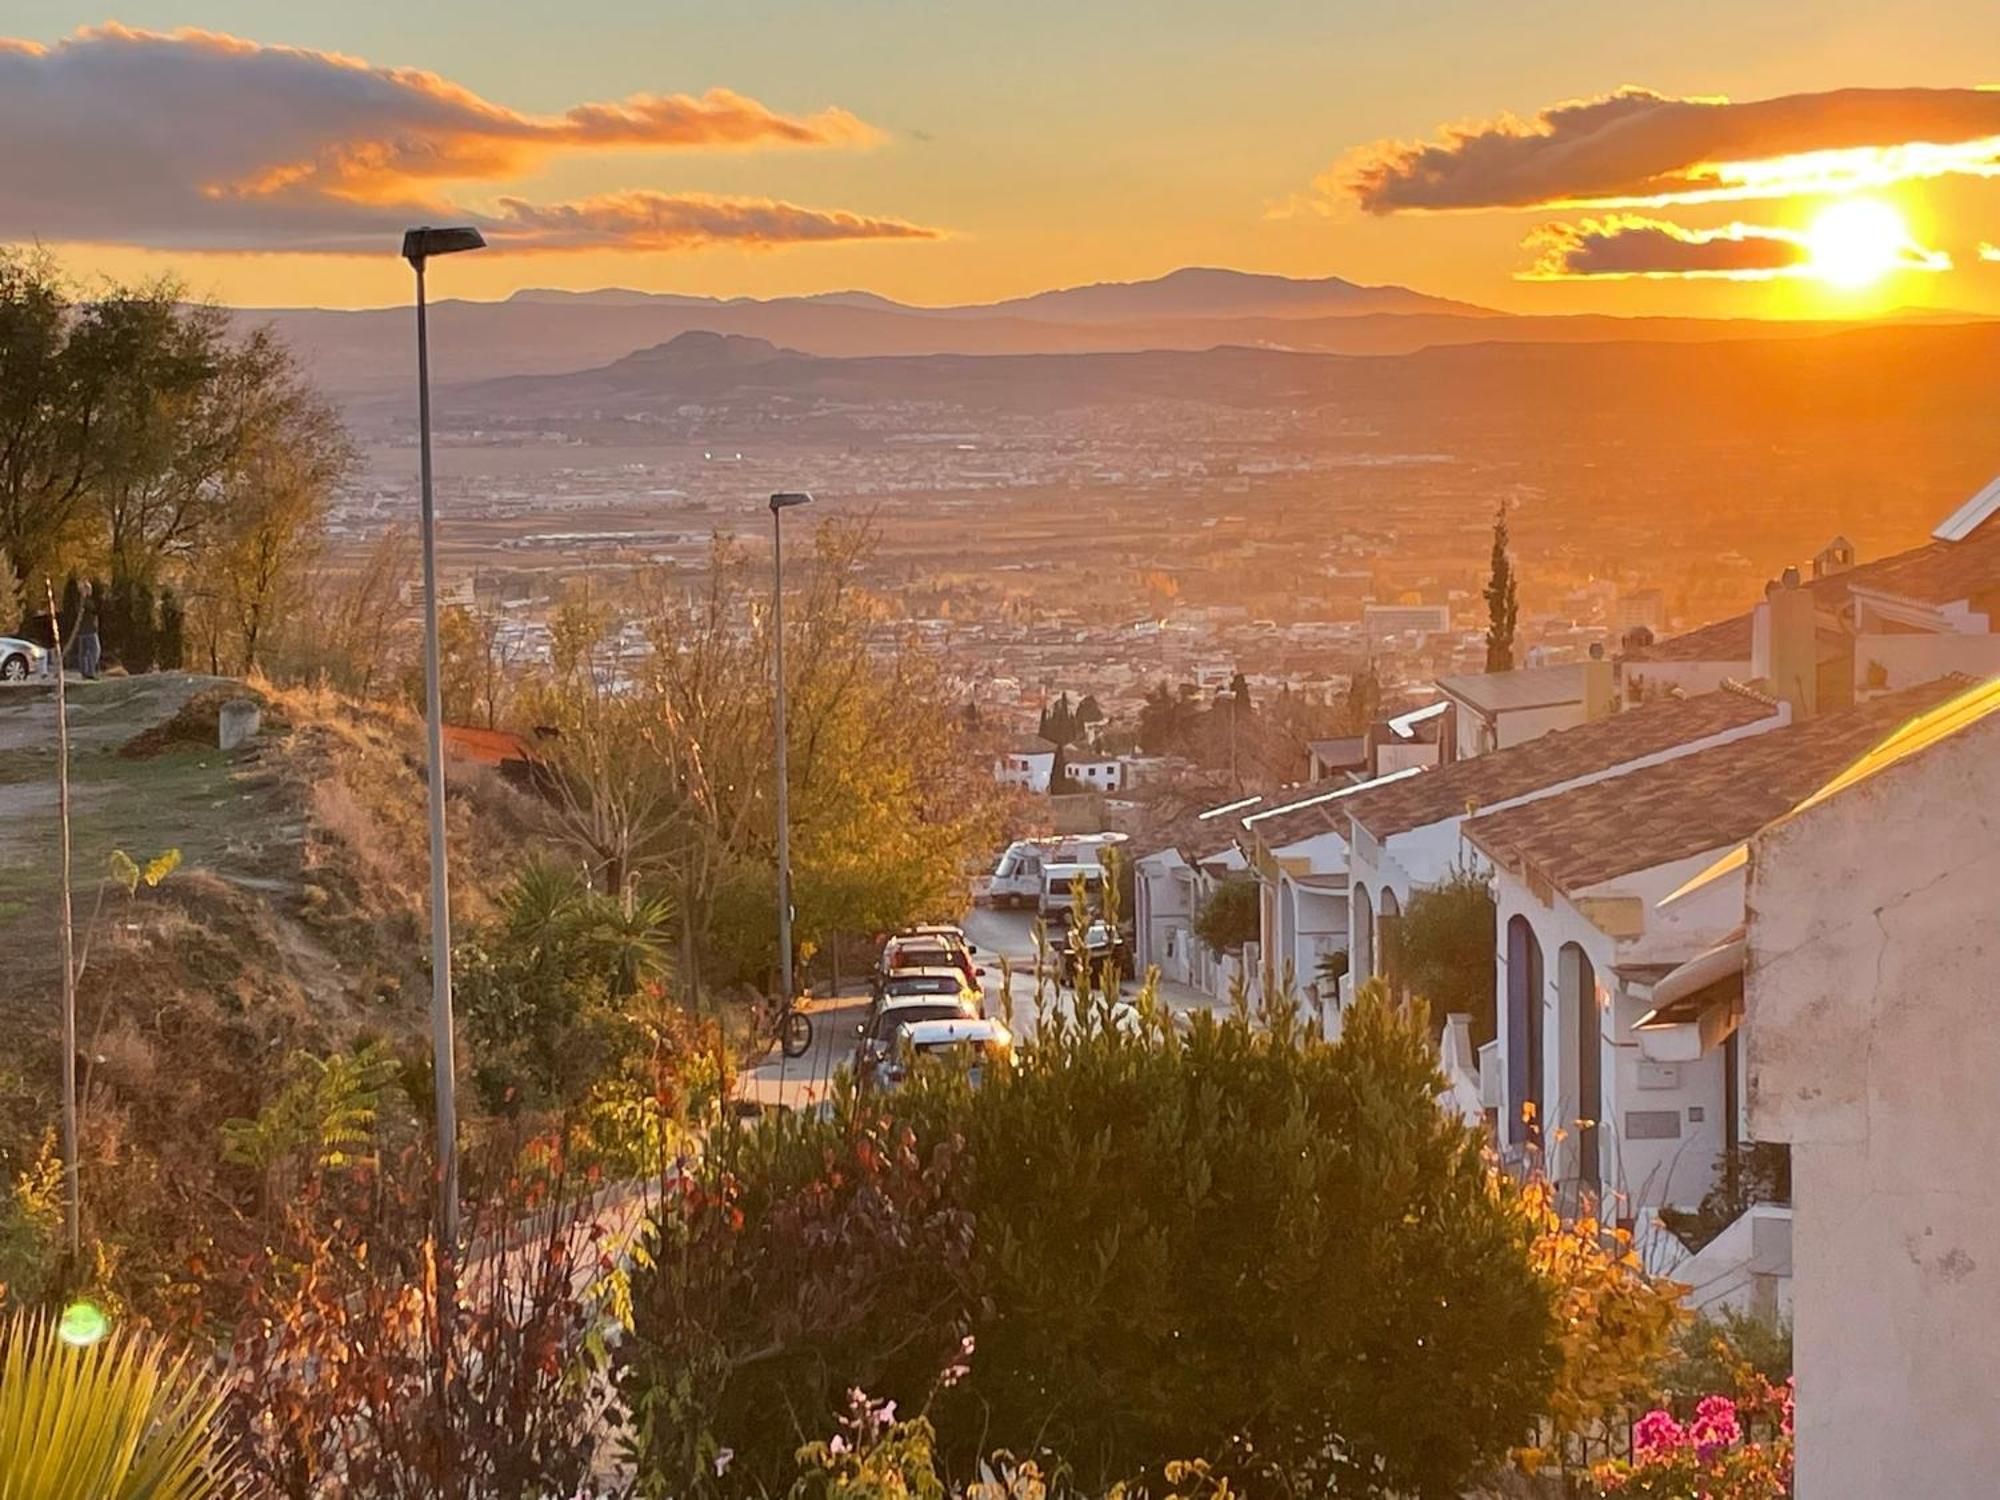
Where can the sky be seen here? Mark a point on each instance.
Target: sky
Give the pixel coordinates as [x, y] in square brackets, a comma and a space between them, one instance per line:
[1538, 156]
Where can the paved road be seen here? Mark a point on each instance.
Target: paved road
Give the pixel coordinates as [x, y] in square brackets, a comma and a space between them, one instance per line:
[1005, 943]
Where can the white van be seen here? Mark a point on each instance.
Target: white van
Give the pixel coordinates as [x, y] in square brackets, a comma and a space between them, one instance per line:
[1059, 883]
[1017, 878]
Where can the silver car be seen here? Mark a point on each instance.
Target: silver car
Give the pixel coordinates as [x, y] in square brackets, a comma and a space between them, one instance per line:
[20, 660]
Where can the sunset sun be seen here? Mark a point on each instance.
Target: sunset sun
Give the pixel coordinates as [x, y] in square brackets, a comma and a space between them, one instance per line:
[1856, 242]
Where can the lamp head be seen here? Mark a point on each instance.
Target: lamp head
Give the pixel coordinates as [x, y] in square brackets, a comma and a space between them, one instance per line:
[419, 245]
[786, 499]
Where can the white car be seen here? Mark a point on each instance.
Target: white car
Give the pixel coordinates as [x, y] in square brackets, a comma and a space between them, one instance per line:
[20, 660]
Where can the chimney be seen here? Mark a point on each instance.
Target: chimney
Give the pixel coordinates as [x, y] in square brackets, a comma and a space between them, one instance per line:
[1837, 556]
[1600, 685]
[1784, 644]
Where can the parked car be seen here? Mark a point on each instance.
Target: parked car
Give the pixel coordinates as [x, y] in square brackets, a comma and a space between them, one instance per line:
[1102, 944]
[944, 980]
[1017, 875]
[22, 659]
[876, 1038]
[985, 1041]
[933, 949]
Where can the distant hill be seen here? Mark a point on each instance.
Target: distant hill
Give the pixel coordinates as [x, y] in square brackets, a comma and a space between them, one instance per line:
[1924, 375]
[359, 355]
[1210, 292]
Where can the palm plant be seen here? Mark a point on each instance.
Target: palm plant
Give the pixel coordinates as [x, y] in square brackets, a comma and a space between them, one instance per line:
[117, 1420]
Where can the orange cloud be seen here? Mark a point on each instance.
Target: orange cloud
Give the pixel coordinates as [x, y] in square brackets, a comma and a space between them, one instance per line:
[196, 140]
[1638, 148]
[1624, 246]
[684, 221]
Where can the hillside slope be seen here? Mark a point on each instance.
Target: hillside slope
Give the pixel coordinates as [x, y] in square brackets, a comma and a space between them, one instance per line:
[294, 922]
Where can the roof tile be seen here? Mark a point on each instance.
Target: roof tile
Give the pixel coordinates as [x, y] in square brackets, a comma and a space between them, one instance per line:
[1552, 759]
[1698, 802]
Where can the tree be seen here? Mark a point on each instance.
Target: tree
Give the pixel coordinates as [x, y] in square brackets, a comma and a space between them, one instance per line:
[663, 765]
[294, 455]
[475, 680]
[1503, 605]
[1068, 1238]
[1231, 916]
[1239, 695]
[1448, 937]
[1362, 704]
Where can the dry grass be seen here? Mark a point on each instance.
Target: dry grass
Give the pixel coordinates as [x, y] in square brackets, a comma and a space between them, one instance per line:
[297, 924]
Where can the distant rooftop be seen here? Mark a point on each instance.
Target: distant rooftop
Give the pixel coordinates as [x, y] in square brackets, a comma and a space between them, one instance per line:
[1525, 687]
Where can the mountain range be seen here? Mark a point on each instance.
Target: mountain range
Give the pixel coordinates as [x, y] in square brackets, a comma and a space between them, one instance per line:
[355, 355]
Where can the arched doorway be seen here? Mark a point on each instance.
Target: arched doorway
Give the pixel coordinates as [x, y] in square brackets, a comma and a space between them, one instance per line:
[1524, 1033]
[1583, 1063]
[1389, 940]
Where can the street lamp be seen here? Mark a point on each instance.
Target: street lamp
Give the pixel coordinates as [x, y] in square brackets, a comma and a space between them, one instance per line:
[781, 502]
[419, 245]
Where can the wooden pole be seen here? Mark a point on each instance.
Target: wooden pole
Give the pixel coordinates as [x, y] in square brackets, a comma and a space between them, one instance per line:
[72, 1177]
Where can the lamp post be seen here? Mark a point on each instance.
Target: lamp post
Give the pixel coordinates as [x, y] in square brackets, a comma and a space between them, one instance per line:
[419, 245]
[781, 502]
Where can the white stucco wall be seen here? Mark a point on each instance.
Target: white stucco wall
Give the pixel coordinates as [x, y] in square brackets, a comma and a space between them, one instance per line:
[1874, 1048]
[1644, 1172]
[1908, 659]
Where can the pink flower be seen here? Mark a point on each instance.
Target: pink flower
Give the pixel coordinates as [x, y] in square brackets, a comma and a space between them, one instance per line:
[836, 1446]
[1657, 1435]
[1715, 1427]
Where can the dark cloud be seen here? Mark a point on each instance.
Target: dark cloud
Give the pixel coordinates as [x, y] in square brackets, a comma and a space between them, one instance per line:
[1640, 148]
[1625, 246]
[195, 140]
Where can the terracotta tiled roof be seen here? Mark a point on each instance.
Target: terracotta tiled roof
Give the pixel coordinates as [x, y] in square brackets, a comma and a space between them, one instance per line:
[1314, 811]
[1725, 640]
[1940, 573]
[1936, 572]
[1693, 804]
[492, 747]
[1552, 759]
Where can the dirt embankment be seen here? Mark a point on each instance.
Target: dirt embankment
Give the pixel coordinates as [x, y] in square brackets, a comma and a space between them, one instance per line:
[294, 919]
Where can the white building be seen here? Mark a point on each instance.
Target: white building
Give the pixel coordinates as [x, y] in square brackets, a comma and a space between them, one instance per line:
[1493, 710]
[1095, 773]
[1874, 1045]
[1585, 932]
[1889, 623]
[1029, 764]
[1406, 835]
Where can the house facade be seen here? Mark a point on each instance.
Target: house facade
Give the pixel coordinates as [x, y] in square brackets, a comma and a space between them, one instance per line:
[1873, 1042]
[1586, 931]
[1030, 765]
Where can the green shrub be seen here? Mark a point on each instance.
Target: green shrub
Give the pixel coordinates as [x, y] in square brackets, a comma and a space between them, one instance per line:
[1243, 1245]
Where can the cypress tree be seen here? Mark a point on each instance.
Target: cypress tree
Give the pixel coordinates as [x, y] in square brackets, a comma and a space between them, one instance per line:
[1503, 605]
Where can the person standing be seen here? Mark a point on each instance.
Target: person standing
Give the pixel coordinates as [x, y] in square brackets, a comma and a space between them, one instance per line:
[88, 649]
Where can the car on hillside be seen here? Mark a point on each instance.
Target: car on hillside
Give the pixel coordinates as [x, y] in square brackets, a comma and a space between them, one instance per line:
[943, 981]
[1102, 945]
[925, 950]
[21, 660]
[876, 1038]
[981, 1042]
